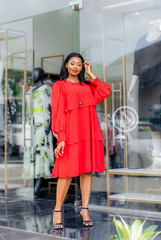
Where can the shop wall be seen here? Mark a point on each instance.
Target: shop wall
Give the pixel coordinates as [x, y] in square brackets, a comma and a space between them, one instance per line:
[20, 9]
[53, 34]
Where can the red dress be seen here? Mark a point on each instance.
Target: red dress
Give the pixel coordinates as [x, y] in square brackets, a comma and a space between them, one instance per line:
[78, 127]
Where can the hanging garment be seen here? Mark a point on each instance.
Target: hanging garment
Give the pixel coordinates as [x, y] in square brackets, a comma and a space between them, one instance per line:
[11, 103]
[78, 125]
[112, 145]
[1, 117]
[1, 78]
[41, 163]
[147, 66]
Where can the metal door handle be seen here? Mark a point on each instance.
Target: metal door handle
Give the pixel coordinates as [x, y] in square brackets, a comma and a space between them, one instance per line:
[113, 108]
[23, 115]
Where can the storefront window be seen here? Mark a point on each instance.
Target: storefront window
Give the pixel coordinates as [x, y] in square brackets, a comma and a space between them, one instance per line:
[124, 46]
[16, 65]
[26, 150]
[122, 39]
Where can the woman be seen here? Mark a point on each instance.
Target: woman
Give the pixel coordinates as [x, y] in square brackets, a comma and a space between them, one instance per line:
[80, 149]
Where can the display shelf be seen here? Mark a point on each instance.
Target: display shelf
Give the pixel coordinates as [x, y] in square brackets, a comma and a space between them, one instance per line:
[10, 186]
[134, 172]
[136, 197]
[16, 57]
[15, 162]
[13, 178]
[7, 200]
[11, 166]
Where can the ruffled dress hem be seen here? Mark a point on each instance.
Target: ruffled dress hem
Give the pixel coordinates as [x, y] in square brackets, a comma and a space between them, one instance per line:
[77, 175]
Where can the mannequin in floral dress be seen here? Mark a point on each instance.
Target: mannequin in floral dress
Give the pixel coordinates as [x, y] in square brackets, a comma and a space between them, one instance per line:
[40, 165]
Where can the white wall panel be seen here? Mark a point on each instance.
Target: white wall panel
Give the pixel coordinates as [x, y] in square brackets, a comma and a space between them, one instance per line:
[11, 10]
[53, 35]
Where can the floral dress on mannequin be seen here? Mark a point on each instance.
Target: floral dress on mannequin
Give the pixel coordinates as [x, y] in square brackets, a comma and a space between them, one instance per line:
[41, 164]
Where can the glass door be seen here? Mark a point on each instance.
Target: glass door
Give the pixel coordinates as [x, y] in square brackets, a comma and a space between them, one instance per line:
[114, 73]
[133, 134]
[16, 62]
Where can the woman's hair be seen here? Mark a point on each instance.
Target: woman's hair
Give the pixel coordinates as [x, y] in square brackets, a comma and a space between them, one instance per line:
[64, 70]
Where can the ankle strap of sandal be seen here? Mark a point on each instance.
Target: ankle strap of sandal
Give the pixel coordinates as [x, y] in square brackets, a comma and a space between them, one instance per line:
[84, 208]
[57, 211]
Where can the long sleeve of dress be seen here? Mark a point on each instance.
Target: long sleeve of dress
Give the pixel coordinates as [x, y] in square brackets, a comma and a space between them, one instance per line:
[58, 112]
[100, 90]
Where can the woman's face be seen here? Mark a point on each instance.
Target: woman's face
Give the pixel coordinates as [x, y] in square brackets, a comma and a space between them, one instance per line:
[74, 66]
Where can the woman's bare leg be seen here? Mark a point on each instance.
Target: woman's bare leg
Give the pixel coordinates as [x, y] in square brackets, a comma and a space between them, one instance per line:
[86, 187]
[62, 189]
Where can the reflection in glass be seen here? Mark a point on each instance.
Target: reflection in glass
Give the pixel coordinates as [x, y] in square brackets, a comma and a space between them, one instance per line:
[131, 48]
[13, 55]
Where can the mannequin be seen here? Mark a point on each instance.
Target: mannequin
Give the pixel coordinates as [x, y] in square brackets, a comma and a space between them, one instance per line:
[43, 157]
[153, 34]
[1, 98]
[147, 72]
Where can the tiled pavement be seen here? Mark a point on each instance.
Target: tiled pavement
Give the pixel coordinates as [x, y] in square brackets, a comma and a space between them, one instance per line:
[33, 220]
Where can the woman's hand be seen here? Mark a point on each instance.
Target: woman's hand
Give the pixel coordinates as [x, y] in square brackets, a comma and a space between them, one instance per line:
[88, 69]
[59, 150]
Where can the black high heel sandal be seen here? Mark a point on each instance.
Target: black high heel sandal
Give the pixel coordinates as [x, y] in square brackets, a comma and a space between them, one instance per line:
[86, 223]
[58, 224]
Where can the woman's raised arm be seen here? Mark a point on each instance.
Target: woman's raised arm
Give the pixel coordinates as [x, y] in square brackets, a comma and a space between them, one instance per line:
[100, 89]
